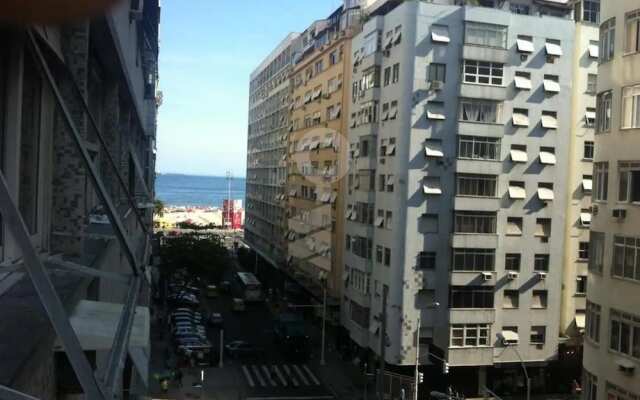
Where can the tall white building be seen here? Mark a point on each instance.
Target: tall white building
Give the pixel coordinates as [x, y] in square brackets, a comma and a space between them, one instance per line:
[460, 180]
[612, 339]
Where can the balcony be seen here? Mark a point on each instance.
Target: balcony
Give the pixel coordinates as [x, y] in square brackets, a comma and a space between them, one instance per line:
[483, 53]
[475, 240]
[470, 203]
[488, 92]
[480, 129]
[467, 166]
[472, 316]
[470, 356]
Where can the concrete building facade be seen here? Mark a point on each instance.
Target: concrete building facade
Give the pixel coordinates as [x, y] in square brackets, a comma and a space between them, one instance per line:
[612, 338]
[110, 64]
[460, 124]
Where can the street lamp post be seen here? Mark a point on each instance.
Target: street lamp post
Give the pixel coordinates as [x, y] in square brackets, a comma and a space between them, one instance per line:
[524, 368]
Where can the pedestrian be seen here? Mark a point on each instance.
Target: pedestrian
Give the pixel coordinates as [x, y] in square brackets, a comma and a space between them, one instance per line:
[164, 385]
[178, 377]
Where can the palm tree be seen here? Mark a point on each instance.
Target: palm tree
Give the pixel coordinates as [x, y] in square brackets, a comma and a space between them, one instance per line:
[158, 207]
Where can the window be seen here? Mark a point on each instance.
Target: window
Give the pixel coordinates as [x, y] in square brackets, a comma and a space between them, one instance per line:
[371, 43]
[379, 252]
[393, 109]
[601, 181]
[512, 262]
[359, 314]
[519, 8]
[590, 117]
[624, 333]
[334, 57]
[482, 72]
[485, 34]
[360, 281]
[615, 392]
[603, 112]
[514, 226]
[470, 335]
[607, 39]
[632, 30]
[592, 323]
[483, 222]
[318, 67]
[591, 11]
[387, 76]
[539, 299]
[626, 258]
[382, 183]
[440, 34]
[471, 297]
[478, 110]
[588, 150]
[629, 182]
[389, 183]
[362, 247]
[476, 185]
[30, 145]
[435, 110]
[581, 285]
[474, 260]
[538, 334]
[590, 383]
[479, 148]
[592, 83]
[541, 262]
[428, 223]
[437, 72]
[387, 256]
[630, 107]
[395, 75]
[583, 250]
[543, 227]
[388, 220]
[370, 78]
[596, 248]
[426, 260]
[511, 299]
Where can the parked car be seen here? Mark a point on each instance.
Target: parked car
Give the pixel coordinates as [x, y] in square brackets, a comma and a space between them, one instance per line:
[238, 305]
[212, 291]
[242, 349]
[215, 319]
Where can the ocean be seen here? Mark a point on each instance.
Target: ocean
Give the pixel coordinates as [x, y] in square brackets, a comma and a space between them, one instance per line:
[192, 190]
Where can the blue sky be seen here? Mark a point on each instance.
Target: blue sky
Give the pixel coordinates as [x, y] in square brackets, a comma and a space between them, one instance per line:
[208, 49]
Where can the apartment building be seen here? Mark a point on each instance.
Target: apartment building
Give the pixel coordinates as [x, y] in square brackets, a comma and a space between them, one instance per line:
[461, 123]
[269, 98]
[612, 338]
[78, 123]
[580, 180]
[316, 155]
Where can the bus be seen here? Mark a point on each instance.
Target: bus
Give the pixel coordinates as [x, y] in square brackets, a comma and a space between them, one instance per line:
[247, 287]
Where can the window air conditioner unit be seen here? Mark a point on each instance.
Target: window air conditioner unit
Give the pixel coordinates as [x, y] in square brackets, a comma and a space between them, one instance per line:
[512, 275]
[542, 275]
[487, 276]
[436, 85]
[619, 213]
[386, 53]
[326, 95]
[626, 367]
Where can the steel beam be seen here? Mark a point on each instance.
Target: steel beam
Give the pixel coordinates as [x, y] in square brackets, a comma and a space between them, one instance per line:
[7, 393]
[88, 271]
[47, 293]
[93, 174]
[121, 341]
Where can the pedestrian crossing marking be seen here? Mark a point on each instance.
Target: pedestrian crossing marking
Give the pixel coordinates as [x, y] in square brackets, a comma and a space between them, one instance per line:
[267, 373]
[284, 381]
[293, 379]
[248, 376]
[304, 379]
[313, 377]
[257, 372]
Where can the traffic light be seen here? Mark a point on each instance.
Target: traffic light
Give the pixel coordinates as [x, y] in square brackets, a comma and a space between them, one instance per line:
[420, 377]
[445, 368]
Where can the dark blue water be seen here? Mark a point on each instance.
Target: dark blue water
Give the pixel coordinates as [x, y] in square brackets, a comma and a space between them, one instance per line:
[191, 190]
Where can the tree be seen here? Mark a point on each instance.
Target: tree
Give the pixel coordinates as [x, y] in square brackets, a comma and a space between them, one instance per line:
[158, 207]
[202, 255]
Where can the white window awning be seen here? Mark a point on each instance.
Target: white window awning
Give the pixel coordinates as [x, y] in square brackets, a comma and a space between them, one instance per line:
[580, 321]
[587, 185]
[440, 34]
[547, 157]
[553, 49]
[522, 82]
[435, 115]
[328, 142]
[524, 45]
[379, 221]
[397, 36]
[433, 149]
[390, 180]
[549, 122]
[393, 112]
[590, 116]
[314, 145]
[519, 156]
[594, 51]
[388, 41]
[585, 219]
[519, 119]
[325, 197]
[385, 115]
[307, 97]
[431, 188]
[354, 215]
[95, 323]
[348, 214]
[545, 194]
[317, 93]
[391, 150]
[517, 193]
[334, 196]
[551, 86]
[510, 336]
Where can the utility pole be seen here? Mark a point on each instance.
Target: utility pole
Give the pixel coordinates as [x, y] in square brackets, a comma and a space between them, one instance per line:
[324, 321]
[383, 342]
[417, 377]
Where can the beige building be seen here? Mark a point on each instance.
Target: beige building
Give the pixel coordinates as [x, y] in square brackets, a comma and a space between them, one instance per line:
[580, 181]
[316, 157]
[612, 338]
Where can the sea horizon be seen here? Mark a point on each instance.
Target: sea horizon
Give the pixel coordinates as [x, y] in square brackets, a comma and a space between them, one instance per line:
[177, 189]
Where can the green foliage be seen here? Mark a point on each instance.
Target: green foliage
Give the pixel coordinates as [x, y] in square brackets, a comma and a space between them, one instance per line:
[189, 225]
[158, 207]
[202, 255]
